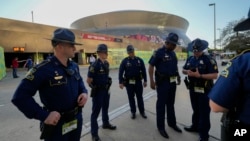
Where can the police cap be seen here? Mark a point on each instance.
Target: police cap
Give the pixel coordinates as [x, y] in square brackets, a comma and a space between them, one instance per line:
[64, 35]
[102, 48]
[199, 45]
[172, 38]
[130, 49]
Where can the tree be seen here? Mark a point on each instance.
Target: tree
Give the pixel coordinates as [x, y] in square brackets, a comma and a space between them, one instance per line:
[232, 40]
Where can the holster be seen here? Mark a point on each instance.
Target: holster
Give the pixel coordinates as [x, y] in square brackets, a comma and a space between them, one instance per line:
[186, 82]
[109, 83]
[228, 126]
[93, 91]
[46, 130]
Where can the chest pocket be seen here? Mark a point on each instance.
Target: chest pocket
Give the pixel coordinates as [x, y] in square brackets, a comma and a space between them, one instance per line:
[57, 81]
[202, 67]
[166, 58]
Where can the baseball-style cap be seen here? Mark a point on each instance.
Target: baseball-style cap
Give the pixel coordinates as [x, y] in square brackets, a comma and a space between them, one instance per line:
[64, 35]
[173, 38]
[199, 45]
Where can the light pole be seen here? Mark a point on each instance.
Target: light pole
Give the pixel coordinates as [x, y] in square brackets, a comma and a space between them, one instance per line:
[220, 37]
[213, 4]
[32, 16]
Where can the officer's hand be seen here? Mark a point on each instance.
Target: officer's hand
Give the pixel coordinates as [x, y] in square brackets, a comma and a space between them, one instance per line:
[82, 99]
[145, 84]
[121, 86]
[178, 80]
[152, 85]
[52, 118]
[194, 74]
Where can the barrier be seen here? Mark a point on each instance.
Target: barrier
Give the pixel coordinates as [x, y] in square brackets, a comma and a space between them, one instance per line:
[116, 55]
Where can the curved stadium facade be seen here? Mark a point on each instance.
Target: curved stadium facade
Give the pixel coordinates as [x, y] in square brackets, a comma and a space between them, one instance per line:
[145, 30]
[141, 25]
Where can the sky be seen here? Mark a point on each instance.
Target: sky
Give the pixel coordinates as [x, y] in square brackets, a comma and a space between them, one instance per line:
[198, 13]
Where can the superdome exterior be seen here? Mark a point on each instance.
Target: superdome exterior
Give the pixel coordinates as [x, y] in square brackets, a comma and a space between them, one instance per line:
[136, 24]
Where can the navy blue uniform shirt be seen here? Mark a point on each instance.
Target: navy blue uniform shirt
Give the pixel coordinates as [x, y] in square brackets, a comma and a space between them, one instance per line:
[99, 72]
[205, 64]
[165, 62]
[58, 86]
[133, 67]
[233, 87]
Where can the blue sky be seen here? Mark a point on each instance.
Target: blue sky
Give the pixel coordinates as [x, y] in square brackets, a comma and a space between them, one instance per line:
[63, 12]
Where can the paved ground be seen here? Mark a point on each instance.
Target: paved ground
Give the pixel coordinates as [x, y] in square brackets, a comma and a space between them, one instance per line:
[127, 129]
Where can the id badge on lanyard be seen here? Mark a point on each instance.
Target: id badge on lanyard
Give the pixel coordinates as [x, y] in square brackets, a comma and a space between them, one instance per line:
[69, 126]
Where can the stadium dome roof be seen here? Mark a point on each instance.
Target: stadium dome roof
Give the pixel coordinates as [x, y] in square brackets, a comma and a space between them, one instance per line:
[132, 22]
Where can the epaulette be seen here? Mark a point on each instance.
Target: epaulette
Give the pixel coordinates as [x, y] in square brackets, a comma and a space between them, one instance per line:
[44, 62]
[243, 52]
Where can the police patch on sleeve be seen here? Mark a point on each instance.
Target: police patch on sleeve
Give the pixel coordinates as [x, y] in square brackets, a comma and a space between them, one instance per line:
[154, 54]
[30, 75]
[212, 61]
[92, 69]
[224, 73]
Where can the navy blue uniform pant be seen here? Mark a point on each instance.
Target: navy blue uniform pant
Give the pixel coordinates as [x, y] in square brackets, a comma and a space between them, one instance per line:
[74, 135]
[201, 113]
[100, 101]
[132, 91]
[165, 101]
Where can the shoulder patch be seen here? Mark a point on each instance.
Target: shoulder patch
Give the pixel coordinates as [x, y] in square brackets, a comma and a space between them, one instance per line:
[212, 61]
[154, 53]
[92, 69]
[30, 74]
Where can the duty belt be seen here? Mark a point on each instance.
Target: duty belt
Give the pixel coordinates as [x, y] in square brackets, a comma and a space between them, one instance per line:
[68, 115]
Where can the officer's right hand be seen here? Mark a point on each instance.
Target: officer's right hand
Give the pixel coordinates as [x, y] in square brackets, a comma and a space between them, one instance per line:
[52, 118]
[152, 85]
[121, 86]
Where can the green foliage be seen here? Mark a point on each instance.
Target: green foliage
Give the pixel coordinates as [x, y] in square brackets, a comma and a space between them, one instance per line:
[233, 41]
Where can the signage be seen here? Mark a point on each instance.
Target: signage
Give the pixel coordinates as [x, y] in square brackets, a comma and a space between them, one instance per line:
[18, 49]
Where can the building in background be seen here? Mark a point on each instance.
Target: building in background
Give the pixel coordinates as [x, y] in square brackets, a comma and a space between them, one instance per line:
[143, 29]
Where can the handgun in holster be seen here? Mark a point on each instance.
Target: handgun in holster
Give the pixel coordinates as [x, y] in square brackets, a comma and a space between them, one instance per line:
[93, 90]
[228, 125]
[109, 83]
[46, 130]
[186, 81]
[124, 81]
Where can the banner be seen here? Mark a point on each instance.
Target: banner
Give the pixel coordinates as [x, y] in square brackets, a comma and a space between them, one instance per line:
[101, 38]
[2, 64]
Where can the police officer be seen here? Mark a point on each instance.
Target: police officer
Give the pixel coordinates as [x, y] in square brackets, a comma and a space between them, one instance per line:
[166, 71]
[131, 72]
[61, 90]
[231, 92]
[201, 70]
[99, 80]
